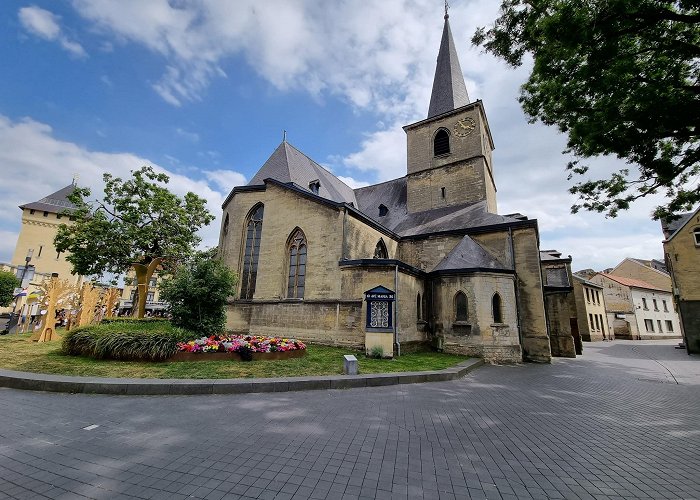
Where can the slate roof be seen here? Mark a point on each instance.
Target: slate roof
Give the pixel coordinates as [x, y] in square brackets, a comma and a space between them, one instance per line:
[468, 254]
[54, 203]
[449, 90]
[670, 228]
[289, 165]
[633, 283]
[587, 282]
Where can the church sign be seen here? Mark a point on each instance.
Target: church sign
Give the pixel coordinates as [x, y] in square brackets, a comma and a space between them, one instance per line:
[380, 305]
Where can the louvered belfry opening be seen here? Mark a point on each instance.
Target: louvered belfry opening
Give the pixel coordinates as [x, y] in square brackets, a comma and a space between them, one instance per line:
[441, 143]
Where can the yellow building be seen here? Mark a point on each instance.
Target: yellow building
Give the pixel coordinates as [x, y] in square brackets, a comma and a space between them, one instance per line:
[40, 221]
[682, 252]
[127, 301]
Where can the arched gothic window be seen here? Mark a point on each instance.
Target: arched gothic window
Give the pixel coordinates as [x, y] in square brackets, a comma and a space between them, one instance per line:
[225, 230]
[297, 265]
[380, 251]
[251, 251]
[441, 143]
[461, 312]
[496, 308]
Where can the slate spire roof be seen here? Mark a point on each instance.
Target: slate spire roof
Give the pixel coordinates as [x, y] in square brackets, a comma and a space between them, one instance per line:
[449, 90]
[54, 203]
[289, 165]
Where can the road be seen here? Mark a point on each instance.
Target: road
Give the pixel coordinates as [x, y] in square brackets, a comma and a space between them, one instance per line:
[621, 421]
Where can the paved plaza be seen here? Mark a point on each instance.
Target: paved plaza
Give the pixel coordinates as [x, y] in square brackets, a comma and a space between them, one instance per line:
[621, 421]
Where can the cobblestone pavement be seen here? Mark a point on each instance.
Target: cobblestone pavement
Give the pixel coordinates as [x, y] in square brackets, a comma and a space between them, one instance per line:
[619, 422]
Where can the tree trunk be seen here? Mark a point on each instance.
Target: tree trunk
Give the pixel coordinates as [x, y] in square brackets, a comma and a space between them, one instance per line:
[143, 276]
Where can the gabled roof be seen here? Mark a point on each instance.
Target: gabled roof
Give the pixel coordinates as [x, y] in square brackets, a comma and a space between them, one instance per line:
[449, 90]
[54, 203]
[468, 254]
[671, 228]
[586, 282]
[287, 164]
[644, 263]
[632, 283]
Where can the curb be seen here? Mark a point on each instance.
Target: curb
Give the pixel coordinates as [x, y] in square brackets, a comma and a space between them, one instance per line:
[150, 386]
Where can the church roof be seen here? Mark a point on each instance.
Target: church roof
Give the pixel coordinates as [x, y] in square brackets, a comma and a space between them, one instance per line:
[392, 195]
[449, 90]
[55, 202]
[288, 164]
[468, 254]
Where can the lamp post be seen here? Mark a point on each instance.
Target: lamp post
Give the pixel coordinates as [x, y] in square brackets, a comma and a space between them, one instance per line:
[14, 320]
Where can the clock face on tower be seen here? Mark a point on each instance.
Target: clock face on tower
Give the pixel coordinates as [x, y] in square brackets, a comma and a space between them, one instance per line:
[464, 127]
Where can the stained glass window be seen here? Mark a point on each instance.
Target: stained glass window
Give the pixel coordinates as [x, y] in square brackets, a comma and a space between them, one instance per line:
[251, 252]
[297, 265]
[461, 313]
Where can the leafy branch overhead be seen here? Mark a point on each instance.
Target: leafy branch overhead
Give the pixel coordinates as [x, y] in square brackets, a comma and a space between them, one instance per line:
[619, 77]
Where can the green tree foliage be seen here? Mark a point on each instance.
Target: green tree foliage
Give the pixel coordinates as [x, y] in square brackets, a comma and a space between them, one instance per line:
[620, 77]
[8, 283]
[197, 294]
[138, 224]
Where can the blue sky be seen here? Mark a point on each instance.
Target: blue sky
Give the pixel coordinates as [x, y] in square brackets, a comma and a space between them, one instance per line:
[203, 90]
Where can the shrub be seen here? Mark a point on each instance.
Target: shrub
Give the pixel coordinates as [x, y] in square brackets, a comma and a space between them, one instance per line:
[8, 283]
[376, 352]
[197, 294]
[126, 340]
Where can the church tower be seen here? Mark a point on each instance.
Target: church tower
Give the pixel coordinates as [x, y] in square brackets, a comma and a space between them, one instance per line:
[449, 153]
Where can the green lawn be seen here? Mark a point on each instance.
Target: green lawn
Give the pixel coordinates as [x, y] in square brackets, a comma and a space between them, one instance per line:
[17, 352]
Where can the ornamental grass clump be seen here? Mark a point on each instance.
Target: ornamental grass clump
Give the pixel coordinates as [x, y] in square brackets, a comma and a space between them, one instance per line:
[126, 340]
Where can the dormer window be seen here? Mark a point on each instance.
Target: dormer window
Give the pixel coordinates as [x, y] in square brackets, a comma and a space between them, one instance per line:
[441, 143]
[383, 210]
[314, 186]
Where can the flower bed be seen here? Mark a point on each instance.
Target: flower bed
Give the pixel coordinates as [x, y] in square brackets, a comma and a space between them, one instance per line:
[239, 347]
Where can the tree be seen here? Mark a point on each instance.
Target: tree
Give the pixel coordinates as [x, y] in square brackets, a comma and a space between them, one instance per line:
[620, 77]
[8, 283]
[138, 224]
[197, 293]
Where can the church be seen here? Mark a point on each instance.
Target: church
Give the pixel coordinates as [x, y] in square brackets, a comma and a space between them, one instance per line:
[425, 258]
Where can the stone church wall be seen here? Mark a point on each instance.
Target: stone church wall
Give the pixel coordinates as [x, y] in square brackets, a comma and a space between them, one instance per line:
[325, 322]
[479, 335]
[462, 182]
[532, 312]
[427, 253]
[322, 226]
[361, 240]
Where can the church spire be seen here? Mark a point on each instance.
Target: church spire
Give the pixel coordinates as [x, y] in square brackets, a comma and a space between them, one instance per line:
[449, 90]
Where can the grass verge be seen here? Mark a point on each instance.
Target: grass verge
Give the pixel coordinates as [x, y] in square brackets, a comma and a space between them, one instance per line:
[17, 352]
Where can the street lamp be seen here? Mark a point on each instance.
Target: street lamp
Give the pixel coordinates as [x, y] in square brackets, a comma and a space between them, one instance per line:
[12, 324]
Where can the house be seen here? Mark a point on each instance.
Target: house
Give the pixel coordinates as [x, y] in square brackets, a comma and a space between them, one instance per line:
[682, 255]
[650, 271]
[422, 258]
[591, 312]
[560, 304]
[638, 310]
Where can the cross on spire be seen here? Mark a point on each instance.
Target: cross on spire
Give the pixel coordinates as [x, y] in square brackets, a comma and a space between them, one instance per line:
[447, 6]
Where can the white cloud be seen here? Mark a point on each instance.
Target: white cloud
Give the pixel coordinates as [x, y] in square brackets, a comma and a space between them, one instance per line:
[225, 179]
[28, 157]
[185, 134]
[45, 24]
[353, 183]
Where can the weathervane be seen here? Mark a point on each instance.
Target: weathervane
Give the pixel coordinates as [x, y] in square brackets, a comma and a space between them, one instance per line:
[75, 178]
[447, 6]
[284, 136]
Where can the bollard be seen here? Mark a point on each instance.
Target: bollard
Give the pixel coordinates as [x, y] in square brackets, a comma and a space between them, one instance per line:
[350, 365]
